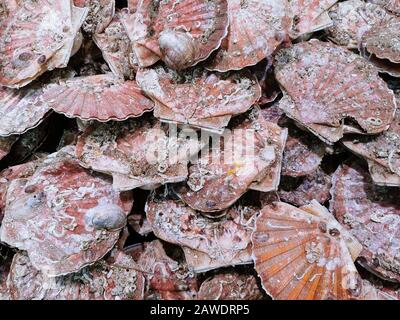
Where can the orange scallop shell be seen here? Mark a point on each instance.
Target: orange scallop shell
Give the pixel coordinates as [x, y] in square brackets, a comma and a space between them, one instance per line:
[372, 214]
[325, 84]
[256, 28]
[304, 254]
[47, 215]
[190, 29]
[101, 97]
[207, 243]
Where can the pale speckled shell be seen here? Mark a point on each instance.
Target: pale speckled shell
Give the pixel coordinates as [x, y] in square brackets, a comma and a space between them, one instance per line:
[44, 215]
[324, 84]
[390, 5]
[199, 98]
[100, 97]
[303, 254]
[100, 14]
[372, 215]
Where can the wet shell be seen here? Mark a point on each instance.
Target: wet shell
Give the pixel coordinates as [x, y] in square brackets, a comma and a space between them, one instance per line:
[166, 278]
[310, 16]
[100, 97]
[45, 215]
[199, 98]
[5, 145]
[37, 36]
[116, 48]
[304, 254]
[101, 13]
[230, 286]
[256, 28]
[207, 243]
[180, 32]
[136, 154]
[372, 215]
[106, 280]
[314, 186]
[325, 84]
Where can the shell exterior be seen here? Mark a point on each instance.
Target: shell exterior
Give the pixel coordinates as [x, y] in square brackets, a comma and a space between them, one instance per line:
[390, 5]
[310, 16]
[250, 157]
[315, 186]
[181, 33]
[45, 215]
[101, 97]
[136, 154]
[106, 280]
[324, 84]
[116, 48]
[372, 214]
[230, 286]
[207, 243]
[256, 28]
[5, 145]
[199, 98]
[166, 278]
[303, 253]
[47, 45]
[101, 13]
[352, 18]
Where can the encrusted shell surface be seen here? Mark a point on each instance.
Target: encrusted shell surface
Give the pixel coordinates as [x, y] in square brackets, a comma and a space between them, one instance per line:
[100, 15]
[180, 32]
[45, 215]
[199, 98]
[372, 214]
[256, 28]
[390, 5]
[230, 286]
[304, 254]
[207, 243]
[101, 97]
[325, 84]
[119, 279]
[136, 153]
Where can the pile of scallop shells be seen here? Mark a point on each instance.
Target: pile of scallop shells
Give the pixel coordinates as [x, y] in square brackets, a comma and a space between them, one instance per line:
[90, 89]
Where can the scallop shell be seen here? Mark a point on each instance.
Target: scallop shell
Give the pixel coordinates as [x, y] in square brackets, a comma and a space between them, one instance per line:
[249, 157]
[136, 154]
[101, 13]
[230, 286]
[324, 84]
[37, 36]
[166, 278]
[116, 48]
[372, 215]
[5, 145]
[304, 254]
[385, 66]
[45, 215]
[199, 98]
[310, 16]
[390, 5]
[207, 243]
[100, 97]
[105, 280]
[256, 28]
[180, 32]
[314, 186]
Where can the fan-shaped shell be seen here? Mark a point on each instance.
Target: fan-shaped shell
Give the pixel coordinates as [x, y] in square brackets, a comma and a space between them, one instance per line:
[136, 154]
[101, 13]
[325, 84]
[304, 254]
[181, 33]
[230, 286]
[106, 280]
[198, 98]
[116, 48]
[45, 215]
[256, 28]
[310, 16]
[372, 215]
[207, 243]
[100, 97]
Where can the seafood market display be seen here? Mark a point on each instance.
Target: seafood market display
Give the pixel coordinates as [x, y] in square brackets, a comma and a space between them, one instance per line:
[200, 150]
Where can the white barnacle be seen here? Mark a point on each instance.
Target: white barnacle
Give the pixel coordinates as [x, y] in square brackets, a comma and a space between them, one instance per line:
[105, 216]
